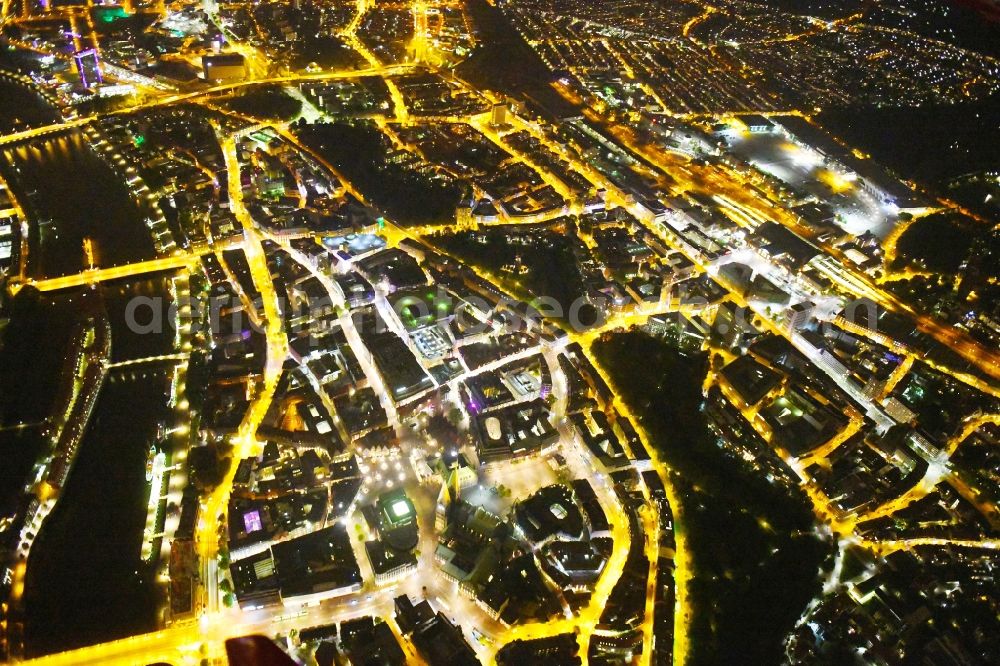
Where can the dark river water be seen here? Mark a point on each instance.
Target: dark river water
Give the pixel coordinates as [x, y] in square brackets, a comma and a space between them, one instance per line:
[21, 108]
[86, 582]
[71, 194]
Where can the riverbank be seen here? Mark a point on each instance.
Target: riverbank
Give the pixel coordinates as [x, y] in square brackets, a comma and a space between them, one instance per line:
[70, 194]
[86, 579]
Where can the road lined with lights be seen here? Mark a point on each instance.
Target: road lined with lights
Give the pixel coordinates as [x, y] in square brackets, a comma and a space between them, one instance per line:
[725, 183]
[215, 508]
[196, 640]
[162, 100]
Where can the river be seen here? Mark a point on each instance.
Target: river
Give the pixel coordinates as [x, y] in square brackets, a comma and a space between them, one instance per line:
[86, 582]
[71, 193]
[85, 579]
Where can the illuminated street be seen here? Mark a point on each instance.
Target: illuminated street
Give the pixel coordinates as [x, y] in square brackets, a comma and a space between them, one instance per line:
[531, 331]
